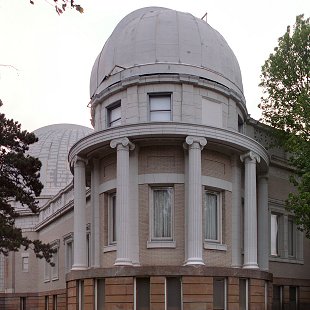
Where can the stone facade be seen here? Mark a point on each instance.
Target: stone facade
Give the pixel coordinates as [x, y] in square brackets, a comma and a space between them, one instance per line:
[176, 203]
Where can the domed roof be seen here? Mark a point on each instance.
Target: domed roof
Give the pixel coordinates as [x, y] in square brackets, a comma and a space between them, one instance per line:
[156, 40]
[52, 149]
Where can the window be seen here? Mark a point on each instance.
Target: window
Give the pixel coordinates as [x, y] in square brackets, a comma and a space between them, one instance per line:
[22, 303]
[51, 272]
[100, 294]
[243, 294]
[54, 268]
[291, 238]
[25, 262]
[162, 214]
[285, 239]
[54, 302]
[114, 114]
[219, 293]
[277, 297]
[173, 293]
[212, 216]
[112, 219]
[80, 294]
[160, 107]
[46, 303]
[274, 242]
[240, 124]
[68, 242]
[293, 298]
[88, 244]
[142, 293]
[2, 272]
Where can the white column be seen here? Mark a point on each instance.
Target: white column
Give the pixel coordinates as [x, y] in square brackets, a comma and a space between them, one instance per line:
[263, 223]
[194, 211]
[236, 259]
[250, 210]
[122, 146]
[95, 220]
[80, 248]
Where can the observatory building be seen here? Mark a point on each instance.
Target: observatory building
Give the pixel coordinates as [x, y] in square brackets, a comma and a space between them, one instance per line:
[175, 203]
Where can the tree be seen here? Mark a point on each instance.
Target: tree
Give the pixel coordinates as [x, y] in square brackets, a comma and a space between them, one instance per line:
[19, 180]
[62, 5]
[285, 105]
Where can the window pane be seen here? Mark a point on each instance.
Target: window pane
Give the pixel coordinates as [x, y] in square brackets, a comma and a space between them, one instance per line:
[160, 108]
[100, 294]
[143, 293]
[173, 286]
[160, 116]
[211, 213]
[162, 218]
[293, 297]
[218, 293]
[276, 299]
[161, 103]
[274, 234]
[114, 116]
[112, 219]
[243, 294]
[291, 246]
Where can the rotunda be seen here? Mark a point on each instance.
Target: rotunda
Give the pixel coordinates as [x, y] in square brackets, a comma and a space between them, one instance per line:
[172, 168]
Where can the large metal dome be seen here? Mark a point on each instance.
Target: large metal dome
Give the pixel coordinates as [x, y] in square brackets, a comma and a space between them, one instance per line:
[52, 149]
[157, 40]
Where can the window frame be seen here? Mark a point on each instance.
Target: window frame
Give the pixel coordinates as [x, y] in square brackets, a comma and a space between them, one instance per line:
[214, 244]
[161, 241]
[109, 110]
[224, 292]
[112, 221]
[25, 257]
[150, 111]
[68, 239]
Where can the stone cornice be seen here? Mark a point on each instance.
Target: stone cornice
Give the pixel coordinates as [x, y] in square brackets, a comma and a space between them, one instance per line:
[232, 139]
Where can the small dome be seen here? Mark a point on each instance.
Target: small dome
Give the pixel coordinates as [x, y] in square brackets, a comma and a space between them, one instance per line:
[52, 149]
[158, 40]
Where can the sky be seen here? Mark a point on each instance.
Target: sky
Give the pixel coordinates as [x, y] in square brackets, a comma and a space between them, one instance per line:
[46, 59]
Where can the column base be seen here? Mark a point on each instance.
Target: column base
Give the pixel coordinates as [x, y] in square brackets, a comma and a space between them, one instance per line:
[79, 267]
[123, 262]
[194, 261]
[250, 266]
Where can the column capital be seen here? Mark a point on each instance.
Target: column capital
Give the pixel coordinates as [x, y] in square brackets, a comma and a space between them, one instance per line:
[190, 140]
[264, 176]
[252, 156]
[77, 159]
[122, 143]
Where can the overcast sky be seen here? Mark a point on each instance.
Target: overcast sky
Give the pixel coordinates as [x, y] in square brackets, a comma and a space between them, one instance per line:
[52, 56]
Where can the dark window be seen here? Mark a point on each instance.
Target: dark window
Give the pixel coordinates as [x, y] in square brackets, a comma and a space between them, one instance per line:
[100, 294]
[240, 124]
[46, 303]
[54, 302]
[277, 298]
[219, 293]
[293, 298]
[80, 294]
[243, 294]
[142, 293]
[22, 303]
[114, 114]
[173, 293]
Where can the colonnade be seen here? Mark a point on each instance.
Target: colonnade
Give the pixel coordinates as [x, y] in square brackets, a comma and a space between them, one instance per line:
[255, 249]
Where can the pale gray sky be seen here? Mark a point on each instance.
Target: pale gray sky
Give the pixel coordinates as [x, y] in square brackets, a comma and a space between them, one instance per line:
[54, 54]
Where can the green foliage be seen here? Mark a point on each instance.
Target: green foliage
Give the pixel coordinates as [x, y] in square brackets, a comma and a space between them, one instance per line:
[19, 180]
[62, 5]
[285, 105]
